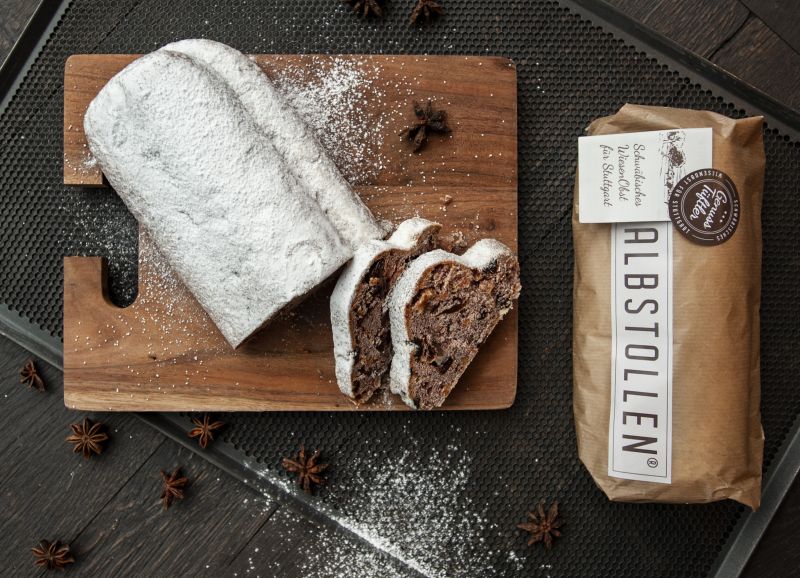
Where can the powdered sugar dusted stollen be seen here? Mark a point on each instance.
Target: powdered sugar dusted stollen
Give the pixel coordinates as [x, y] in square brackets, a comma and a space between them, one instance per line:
[441, 310]
[361, 344]
[202, 177]
[291, 136]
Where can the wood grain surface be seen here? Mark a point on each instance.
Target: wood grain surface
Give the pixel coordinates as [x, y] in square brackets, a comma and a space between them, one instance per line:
[164, 354]
[108, 508]
[744, 56]
[43, 479]
[755, 40]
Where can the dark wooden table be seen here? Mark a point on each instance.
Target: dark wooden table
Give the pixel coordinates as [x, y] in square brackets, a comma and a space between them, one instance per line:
[46, 491]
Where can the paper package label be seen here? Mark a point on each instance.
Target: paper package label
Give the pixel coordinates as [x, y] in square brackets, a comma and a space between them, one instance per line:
[640, 428]
[627, 178]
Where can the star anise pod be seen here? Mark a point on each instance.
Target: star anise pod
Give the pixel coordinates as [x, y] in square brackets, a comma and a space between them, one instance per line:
[204, 430]
[30, 377]
[309, 472]
[428, 121]
[88, 437]
[173, 486]
[366, 7]
[53, 556]
[427, 10]
[543, 527]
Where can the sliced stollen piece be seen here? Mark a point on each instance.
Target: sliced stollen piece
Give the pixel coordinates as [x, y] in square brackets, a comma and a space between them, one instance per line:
[361, 344]
[441, 310]
[292, 137]
[201, 176]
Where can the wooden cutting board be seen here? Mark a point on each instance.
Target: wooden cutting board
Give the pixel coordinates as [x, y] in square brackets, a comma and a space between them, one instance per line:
[163, 353]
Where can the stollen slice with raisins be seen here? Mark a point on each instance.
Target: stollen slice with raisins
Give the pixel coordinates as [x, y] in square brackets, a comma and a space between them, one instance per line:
[361, 343]
[441, 310]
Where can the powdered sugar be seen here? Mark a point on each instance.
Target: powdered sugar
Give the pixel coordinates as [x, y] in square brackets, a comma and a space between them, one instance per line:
[166, 302]
[85, 167]
[415, 510]
[278, 120]
[331, 94]
[410, 506]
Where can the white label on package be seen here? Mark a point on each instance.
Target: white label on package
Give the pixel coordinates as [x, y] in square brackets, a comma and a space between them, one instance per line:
[640, 428]
[625, 178]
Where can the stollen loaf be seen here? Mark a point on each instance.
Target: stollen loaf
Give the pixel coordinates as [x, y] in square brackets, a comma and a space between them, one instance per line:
[441, 310]
[291, 136]
[361, 343]
[250, 215]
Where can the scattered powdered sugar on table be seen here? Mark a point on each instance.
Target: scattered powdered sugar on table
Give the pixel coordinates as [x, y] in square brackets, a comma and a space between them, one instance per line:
[333, 101]
[334, 556]
[338, 555]
[86, 165]
[411, 506]
[416, 510]
[331, 554]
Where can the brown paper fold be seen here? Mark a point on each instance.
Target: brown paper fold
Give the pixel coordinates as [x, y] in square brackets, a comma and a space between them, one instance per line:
[717, 440]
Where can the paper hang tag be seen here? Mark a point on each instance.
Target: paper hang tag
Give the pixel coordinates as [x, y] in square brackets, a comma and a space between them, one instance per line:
[629, 177]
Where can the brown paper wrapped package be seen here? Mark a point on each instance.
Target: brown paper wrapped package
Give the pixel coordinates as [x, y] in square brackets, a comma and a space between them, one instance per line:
[717, 440]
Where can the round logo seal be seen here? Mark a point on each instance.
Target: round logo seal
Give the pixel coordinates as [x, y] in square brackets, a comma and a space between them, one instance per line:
[704, 207]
